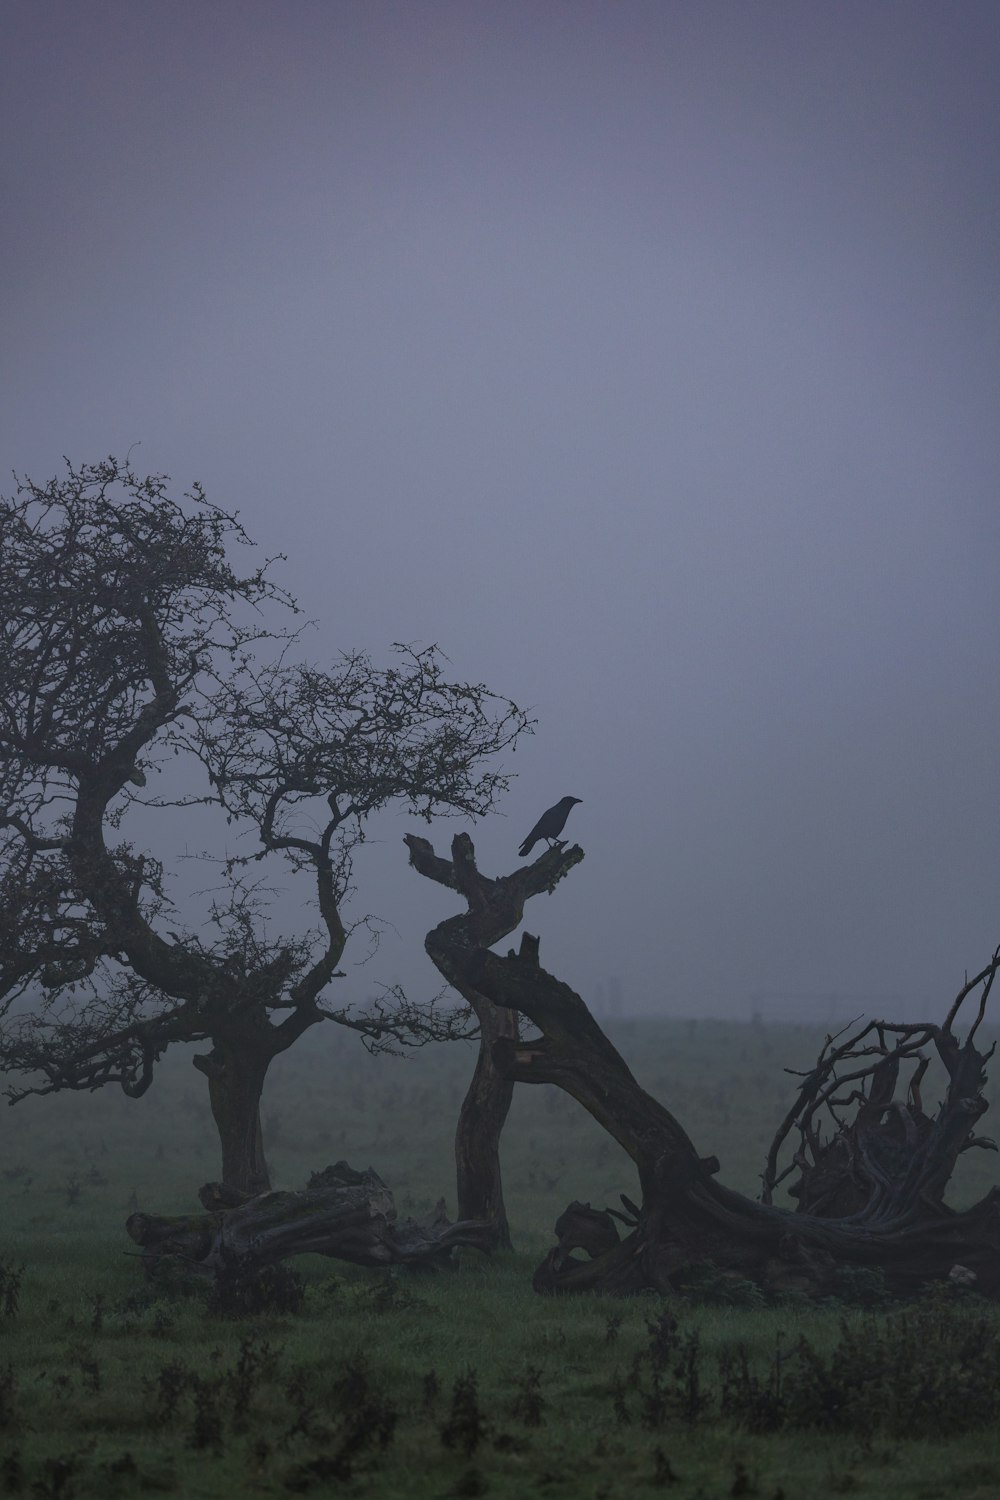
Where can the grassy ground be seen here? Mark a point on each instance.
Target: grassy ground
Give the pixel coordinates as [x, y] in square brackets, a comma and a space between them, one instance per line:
[464, 1384]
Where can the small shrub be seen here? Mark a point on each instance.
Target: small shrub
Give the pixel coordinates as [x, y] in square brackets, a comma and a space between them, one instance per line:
[246, 1292]
[213, 1404]
[708, 1285]
[207, 1424]
[301, 1402]
[755, 1401]
[8, 1398]
[663, 1338]
[654, 1401]
[365, 1418]
[12, 1472]
[431, 1387]
[860, 1286]
[663, 1469]
[146, 1310]
[10, 1287]
[171, 1279]
[55, 1478]
[330, 1289]
[619, 1400]
[97, 1314]
[466, 1426]
[320, 1470]
[691, 1399]
[255, 1364]
[165, 1392]
[471, 1484]
[665, 1378]
[124, 1467]
[743, 1483]
[612, 1328]
[529, 1403]
[160, 1324]
[932, 1368]
[388, 1294]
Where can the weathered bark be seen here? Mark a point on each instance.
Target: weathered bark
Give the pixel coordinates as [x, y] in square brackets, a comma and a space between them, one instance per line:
[342, 1213]
[685, 1216]
[494, 908]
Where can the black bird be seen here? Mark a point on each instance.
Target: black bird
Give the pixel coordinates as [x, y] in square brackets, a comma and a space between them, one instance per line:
[550, 824]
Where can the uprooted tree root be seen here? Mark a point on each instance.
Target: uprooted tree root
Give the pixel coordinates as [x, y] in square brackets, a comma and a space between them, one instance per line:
[890, 1152]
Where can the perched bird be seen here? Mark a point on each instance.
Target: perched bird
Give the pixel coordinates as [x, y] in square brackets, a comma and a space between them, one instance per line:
[550, 824]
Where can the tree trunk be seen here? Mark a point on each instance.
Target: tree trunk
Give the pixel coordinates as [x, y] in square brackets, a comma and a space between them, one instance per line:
[495, 907]
[685, 1216]
[235, 1071]
[480, 1125]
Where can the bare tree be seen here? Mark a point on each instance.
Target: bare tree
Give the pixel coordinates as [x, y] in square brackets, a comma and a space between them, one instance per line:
[128, 638]
[878, 1201]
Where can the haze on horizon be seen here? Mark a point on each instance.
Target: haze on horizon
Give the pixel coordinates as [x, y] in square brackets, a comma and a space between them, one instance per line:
[644, 356]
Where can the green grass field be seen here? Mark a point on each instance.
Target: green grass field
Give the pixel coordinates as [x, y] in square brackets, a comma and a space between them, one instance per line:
[458, 1384]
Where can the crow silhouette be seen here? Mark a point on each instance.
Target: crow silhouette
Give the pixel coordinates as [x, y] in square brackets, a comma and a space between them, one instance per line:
[550, 824]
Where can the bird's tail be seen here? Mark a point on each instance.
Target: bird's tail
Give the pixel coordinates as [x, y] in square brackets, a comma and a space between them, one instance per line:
[527, 847]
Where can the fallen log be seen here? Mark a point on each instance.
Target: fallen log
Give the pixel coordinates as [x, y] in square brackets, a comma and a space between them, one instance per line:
[342, 1213]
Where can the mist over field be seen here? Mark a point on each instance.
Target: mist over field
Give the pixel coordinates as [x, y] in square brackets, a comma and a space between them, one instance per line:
[644, 357]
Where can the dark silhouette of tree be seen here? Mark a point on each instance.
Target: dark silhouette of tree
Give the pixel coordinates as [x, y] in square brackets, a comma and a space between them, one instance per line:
[131, 645]
[487, 1101]
[872, 1197]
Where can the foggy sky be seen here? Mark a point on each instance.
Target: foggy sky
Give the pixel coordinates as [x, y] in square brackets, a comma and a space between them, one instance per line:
[643, 356]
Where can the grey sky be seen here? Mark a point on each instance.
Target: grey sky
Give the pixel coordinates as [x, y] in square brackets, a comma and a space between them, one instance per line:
[644, 356]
